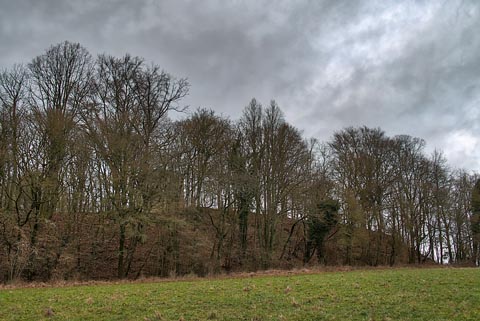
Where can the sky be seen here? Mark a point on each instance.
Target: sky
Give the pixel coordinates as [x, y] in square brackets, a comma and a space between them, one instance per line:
[408, 67]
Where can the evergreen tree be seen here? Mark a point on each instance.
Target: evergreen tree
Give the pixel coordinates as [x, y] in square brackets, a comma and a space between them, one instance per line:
[319, 226]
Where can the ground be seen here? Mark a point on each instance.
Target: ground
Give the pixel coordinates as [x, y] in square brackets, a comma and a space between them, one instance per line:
[378, 294]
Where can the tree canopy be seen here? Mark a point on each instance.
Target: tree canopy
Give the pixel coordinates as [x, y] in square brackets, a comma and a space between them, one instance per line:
[96, 181]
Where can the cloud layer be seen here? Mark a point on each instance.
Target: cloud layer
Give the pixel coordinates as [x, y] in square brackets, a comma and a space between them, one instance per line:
[407, 67]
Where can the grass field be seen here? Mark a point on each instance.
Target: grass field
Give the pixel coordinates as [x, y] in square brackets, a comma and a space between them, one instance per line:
[396, 294]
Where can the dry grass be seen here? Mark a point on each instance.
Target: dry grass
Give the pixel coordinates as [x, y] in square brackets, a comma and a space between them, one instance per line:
[191, 277]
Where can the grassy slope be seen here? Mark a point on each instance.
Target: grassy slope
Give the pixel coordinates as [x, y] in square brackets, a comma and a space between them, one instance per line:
[401, 294]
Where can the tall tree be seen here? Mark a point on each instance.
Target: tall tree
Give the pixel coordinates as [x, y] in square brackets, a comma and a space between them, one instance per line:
[61, 84]
[130, 100]
[251, 150]
[283, 166]
[15, 209]
[364, 169]
[475, 223]
[208, 185]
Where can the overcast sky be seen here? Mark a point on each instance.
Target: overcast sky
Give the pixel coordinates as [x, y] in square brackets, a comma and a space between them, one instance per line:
[408, 67]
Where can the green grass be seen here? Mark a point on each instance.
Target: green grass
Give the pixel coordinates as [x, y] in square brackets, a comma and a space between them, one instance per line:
[398, 294]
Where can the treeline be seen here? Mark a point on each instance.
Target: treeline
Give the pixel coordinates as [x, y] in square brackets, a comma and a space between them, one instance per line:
[97, 182]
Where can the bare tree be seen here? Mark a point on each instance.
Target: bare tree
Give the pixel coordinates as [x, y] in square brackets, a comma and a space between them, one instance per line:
[208, 186]
[365, 170]
[14, 208]
[123, 124]
[280, 158]
[475, 223]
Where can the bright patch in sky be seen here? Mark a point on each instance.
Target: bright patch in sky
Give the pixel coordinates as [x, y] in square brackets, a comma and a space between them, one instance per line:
[463, 146]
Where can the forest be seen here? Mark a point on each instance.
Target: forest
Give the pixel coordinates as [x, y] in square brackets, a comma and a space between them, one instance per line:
[98, 182]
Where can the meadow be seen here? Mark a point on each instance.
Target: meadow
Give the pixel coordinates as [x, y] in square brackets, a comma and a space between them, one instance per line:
[376, 294]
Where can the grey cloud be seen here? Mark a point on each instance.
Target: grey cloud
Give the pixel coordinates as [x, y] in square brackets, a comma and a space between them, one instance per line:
[407, 67]
[427, 89]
